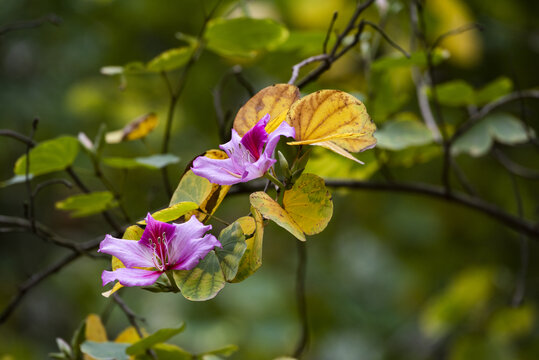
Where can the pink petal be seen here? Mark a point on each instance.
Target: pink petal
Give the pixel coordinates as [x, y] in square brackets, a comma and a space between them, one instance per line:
[180, 247]
[217, 171]
[131, 277]
[193, 250]
[283, 130]
[256, 137]
[155, 229]
[131, 253]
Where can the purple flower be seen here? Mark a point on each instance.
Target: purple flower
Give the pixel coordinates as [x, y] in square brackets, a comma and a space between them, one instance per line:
[162, 247]
[248, 159]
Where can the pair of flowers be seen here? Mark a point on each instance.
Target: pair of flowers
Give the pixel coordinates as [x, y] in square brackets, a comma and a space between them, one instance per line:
[164, 247]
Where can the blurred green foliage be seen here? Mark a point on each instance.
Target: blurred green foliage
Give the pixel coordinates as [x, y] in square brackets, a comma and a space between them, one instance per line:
[392, 276]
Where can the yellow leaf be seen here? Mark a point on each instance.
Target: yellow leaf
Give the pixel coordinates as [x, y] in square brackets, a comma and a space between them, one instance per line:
[129, 336]
[309, 204]
[136, 129]
[332, 119]
[270, 209]
[95, 331]
[200, 190]
[253, 228]
[172, 212]
[272, 100]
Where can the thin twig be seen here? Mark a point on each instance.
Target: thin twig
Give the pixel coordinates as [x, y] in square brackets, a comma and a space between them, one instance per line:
[387, 38]
[301, 300]
[520, 288]
[38, 277]
[334, 53]
[298, 66]
[176, 93]
[50, 182]
[29, 24]
[457, 31]
[31, 206]
[328, 33]
[513, 167]
[17, 136]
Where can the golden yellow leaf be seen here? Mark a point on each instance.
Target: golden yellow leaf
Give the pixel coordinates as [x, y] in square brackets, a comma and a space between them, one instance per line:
[309, 204]
[332, 119]
[273, 100]
[95, 331]
[270, 209]
[129, 336]
[136, 129]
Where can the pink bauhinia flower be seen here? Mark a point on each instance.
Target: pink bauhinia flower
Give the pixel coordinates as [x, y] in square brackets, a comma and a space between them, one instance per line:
[248, 158]
[162, 247]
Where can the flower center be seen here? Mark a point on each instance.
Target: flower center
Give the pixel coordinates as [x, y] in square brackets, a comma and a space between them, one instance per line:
[160, 252]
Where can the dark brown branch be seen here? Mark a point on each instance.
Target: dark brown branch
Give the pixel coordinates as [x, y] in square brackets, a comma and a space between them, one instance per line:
[29, 24]
[477, 204]
[387, 38]
[50, 182]
[328, 34]
[38, 277]
[17, 136]
[335, 54]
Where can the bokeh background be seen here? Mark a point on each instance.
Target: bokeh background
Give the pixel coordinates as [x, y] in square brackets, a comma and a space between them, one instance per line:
[392, 277]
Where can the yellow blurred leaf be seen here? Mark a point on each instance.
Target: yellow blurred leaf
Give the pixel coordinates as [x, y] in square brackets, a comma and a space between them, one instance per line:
[95, 331]
[332, 119]
[172, 212]
[136, 129]
[270, 209]
[193, 188]
[309, 204]
[129, 336]
[273, 100]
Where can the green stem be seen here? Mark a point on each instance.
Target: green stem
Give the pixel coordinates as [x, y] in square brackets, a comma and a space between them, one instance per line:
[170, 277]
[274, 180]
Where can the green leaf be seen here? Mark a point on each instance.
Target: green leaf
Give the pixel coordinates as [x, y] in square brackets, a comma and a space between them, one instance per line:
[309, 204]
[455, 93]
[203, 282]
[170, 352]
[154, 162]
[171, 59]
[49, 156]
[105, 350]
[173, 212]
[158, 337]
[88, 204]
[225, 351]
[270, 209]
[253, 230]
[493, 90]
[502, 127]
[402, 133]
[327, 164]
[232, 250]
[417, 58]
[244, 37]
[17, 179]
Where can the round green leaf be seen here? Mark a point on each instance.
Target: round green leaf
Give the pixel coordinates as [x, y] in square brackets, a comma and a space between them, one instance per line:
[153, 162]
[232, 250]
[244, 37]
[455, 93]
[88, 204]
[403, 133]
[270, 209]
[171, 59]
[309, 204]
[105, 350]
[203, 282]
[158, 337]
[49, 156]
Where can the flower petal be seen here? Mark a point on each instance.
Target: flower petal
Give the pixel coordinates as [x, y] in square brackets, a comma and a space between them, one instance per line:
[131, 277]
[180, 246]
[155, 229]
[217, 171]
[273, 138]
[193, 250]
[258, 168]
[131, 253]
[255, 139]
